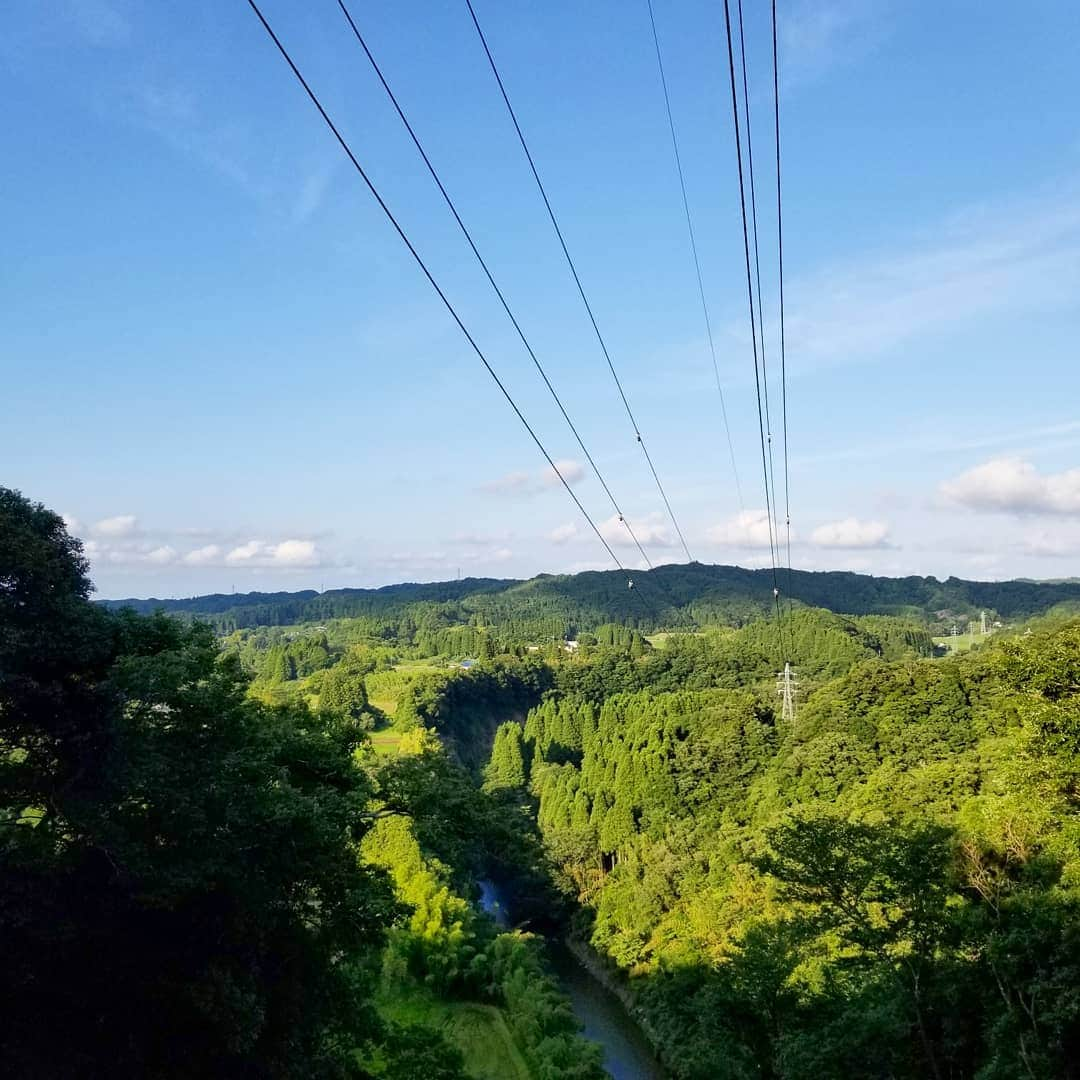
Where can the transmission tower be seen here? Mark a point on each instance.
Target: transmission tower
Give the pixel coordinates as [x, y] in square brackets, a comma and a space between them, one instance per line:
[787, 687]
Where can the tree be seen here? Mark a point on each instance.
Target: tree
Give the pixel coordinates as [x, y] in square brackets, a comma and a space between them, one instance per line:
[343, 692]
[180, 891]
[883, 890]
[506, 769]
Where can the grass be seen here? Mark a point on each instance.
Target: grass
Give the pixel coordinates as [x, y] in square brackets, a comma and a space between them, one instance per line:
[660, 640]
[962, 642]
[385, 743]
[478, 1031]
[384, 688]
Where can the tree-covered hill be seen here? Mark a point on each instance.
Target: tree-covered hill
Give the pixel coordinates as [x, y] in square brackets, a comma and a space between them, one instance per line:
[686, 596]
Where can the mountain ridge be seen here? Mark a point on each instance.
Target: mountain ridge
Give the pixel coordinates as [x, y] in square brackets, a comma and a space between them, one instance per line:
[670, 595]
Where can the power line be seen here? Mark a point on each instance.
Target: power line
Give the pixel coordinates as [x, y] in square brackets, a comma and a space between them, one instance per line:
[783, 345]
[753, 322]
[427, 273]
[757, 273]
[484, 266]
[577, 279]
[693, 249]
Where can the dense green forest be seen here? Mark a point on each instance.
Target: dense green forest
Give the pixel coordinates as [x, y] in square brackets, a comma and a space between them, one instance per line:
[688, 596]
[197, 883]
[235, 848]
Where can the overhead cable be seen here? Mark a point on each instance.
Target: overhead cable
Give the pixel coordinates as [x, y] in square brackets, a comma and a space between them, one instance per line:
[753, 326]
[577, 281]
[783, 343]
[491, 280]
[757, 273]
[431, 279]
[694, 250]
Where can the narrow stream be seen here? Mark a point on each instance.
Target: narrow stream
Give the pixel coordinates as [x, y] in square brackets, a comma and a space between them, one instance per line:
[627, 1054]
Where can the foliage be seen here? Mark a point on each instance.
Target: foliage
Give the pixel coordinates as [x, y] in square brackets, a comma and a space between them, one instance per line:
[454, 953]
[561, 606]
[179, 889]
[889, 888]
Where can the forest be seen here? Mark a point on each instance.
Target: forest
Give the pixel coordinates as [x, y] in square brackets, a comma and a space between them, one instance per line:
[691, 596]
[258, 848]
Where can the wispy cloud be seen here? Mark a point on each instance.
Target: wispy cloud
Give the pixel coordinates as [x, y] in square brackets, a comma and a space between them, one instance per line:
[563, 534]
[820, 35]
[1051, 543]
[174, 113]
[936, 444]
[992, 259]
[313, 190]
[520, 483]
[98, 22]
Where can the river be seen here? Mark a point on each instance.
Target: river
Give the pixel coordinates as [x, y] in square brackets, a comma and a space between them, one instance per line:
[627, 1054]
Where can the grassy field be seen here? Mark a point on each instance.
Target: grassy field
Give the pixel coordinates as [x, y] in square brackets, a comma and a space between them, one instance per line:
[660, 640]
[384, 688]
[385, 743]
[962, 642]
[478, 1031]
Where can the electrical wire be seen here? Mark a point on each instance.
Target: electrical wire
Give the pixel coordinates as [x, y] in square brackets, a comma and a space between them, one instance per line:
[694, 250]
[757, 274]
[577, 280]
[753, 325]
[783, 344]
[431, 279]
[491, 280]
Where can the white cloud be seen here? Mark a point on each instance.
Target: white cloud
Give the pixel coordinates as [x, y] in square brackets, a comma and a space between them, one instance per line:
[1015, 486]
[72, 524]
[572, 471]
[525, 483]
[245, 552]
[563, 533]
[203, 556]
[161, 556]
[287, 553]
[294, 553]
[121, 525]
[650, 529]
[502, 554]
[851, 533]
[747, 529]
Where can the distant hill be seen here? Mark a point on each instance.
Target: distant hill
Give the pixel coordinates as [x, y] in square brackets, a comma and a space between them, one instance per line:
[666, 597]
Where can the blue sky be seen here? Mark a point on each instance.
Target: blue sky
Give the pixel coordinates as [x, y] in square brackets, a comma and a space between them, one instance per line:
[220, 363]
